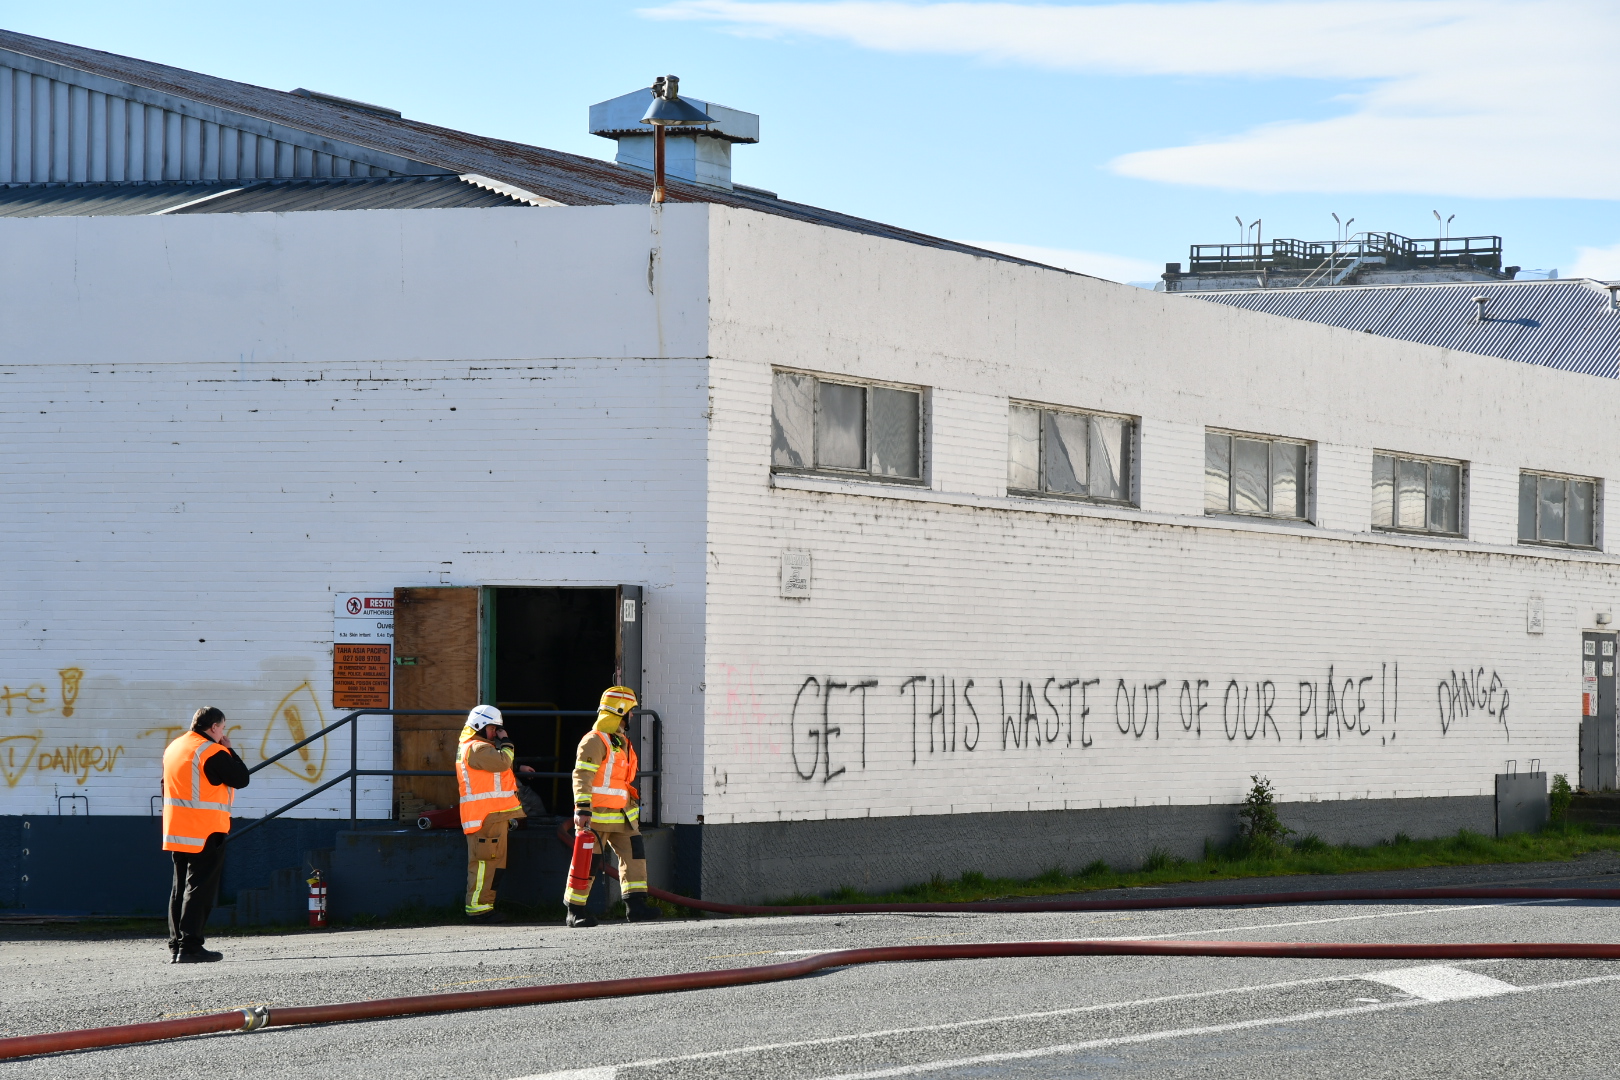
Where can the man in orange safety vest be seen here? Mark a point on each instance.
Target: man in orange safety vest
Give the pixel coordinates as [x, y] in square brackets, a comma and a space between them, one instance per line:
[606, 801]
[201, 773]
[489, 805]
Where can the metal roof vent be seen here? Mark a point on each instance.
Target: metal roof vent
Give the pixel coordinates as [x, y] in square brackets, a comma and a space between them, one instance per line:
[699, 154]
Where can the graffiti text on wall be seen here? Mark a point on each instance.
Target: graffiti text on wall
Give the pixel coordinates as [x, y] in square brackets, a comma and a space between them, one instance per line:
[832, 720]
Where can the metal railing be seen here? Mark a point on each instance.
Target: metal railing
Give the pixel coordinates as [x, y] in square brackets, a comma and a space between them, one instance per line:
[354, 772]
[1401, 252]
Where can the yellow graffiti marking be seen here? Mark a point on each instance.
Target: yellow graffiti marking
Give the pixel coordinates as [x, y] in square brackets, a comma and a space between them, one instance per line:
[71, 679]
[80, 760]
[9, 765]
[8, 695]
[170, 732]
[298, 714]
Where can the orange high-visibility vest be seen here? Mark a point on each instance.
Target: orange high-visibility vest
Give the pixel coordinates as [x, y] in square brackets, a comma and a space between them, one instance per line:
[193, 806]
[482, 792]
[615, 775]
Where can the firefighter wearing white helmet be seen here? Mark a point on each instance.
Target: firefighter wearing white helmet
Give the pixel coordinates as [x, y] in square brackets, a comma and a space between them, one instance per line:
[489, 805]
[606, 801]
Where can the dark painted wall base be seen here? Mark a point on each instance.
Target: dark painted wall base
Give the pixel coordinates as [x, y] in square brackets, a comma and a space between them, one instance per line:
[116, 865]
[762, 861]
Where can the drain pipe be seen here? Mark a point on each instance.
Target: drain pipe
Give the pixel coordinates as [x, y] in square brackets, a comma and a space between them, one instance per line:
[257, 1018]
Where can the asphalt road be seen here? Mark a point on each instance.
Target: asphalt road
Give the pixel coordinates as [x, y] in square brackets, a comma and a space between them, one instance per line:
[1030, 1018]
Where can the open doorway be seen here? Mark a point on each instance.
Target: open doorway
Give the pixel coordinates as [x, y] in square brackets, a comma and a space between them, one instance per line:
[551, 648]
[514, 647]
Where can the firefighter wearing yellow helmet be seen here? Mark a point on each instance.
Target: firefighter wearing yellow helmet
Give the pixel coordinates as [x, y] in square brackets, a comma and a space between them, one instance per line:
[606, 801]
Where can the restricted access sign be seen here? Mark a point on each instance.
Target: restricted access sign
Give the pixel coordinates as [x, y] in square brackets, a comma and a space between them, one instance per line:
[362, 649]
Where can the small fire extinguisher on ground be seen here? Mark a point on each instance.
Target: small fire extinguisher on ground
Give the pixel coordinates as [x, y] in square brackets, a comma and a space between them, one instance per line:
[317, 900]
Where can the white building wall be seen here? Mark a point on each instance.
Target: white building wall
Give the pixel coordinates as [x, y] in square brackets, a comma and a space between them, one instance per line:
[209, 425]
[957, 596]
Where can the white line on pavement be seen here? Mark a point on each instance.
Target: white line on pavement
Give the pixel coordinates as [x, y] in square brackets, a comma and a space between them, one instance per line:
[1441, 982]
[1257, 926]
[611, 1072]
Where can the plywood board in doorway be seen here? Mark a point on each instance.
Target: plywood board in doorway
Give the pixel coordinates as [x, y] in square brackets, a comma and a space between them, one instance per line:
[435, 667]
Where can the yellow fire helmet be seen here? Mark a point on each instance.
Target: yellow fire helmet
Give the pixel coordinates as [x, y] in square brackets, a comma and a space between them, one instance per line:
[618, 700]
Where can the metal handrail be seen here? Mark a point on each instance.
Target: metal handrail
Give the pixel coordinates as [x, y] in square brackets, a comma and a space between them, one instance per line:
[353, 774]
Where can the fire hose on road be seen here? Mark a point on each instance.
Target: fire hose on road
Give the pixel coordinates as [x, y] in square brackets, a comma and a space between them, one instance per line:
[259, 1017]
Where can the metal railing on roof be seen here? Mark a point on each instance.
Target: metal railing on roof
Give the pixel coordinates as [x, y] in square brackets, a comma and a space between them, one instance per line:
[353, 773]
[1397, 252]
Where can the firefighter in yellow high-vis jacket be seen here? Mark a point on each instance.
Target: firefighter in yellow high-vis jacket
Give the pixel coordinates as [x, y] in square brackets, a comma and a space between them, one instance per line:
[606, 801]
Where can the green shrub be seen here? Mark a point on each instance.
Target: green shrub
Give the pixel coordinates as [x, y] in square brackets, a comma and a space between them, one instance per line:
[1094, 868]
[1558, 798]
[1311, 844]
[975, 880]
[1259, 828]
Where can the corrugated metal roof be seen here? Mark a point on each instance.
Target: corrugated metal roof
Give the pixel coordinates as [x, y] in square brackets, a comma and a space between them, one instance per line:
[98, 200]
[568, 179]
[124, 200]
[1568, 324]
[372, 193]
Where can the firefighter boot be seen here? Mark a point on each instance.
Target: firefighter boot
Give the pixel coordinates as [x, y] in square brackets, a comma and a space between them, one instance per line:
[578, 916]
[636, 909]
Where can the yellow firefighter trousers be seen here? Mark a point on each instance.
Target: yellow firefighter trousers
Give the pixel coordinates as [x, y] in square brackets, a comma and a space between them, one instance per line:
[486, 857]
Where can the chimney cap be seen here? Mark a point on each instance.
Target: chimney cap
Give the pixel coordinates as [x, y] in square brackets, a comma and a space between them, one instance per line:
[621, 116]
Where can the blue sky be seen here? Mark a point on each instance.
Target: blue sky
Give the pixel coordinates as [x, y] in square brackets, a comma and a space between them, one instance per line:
[1112, 135]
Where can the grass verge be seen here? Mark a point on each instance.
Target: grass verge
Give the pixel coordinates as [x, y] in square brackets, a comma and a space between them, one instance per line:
[1307, 855]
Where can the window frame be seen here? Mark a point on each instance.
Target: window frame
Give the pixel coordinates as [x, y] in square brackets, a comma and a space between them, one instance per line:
[1427, 460]
[867, 386]
[1308, 480]
[1128, 468]
[1568, 479]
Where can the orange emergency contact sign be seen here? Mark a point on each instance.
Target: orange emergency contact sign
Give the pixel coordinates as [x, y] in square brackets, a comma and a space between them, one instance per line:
[360, 675]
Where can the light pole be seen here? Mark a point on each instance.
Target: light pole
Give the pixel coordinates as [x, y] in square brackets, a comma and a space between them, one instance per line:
[668, 110]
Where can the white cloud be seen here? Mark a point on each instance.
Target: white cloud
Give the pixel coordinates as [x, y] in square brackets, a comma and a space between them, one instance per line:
[1095, 263]
[1482, 98]
[1600, 263]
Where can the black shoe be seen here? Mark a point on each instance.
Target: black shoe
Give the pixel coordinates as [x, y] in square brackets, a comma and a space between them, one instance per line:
[197, 956]
[488, 917]
[636, 909]
[578, 916]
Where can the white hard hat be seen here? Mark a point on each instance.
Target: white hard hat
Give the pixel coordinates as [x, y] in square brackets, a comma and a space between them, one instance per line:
[483, 716]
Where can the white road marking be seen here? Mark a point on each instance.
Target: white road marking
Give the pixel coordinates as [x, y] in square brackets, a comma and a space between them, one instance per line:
[1441, 982]
[1119, 1040]
[611, 1072]
[1255, 926]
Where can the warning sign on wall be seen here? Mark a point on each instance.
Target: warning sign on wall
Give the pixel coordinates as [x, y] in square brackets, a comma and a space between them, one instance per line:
[360, 676]
[362, 649]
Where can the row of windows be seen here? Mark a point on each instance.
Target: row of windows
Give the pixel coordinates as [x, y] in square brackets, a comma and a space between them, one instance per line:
[849, 428]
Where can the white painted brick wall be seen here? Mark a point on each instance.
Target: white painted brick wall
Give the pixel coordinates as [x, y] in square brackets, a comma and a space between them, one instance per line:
[953, 584]
[221, 421]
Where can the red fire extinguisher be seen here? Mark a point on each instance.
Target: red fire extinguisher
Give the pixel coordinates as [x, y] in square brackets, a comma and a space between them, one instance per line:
[579, 868]
[317, 900]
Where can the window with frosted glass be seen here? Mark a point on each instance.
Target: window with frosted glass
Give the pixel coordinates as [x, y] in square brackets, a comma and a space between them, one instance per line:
[1067, 452]
[1557, 510]
[1420, 495]
[823, 425]
[1256, 475]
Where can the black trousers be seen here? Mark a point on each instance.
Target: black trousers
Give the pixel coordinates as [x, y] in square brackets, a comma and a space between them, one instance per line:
[195, 888]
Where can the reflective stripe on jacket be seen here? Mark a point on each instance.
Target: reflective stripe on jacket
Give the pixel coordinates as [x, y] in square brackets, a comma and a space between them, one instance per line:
[610, 787]
[193, 807]
[483, 792]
